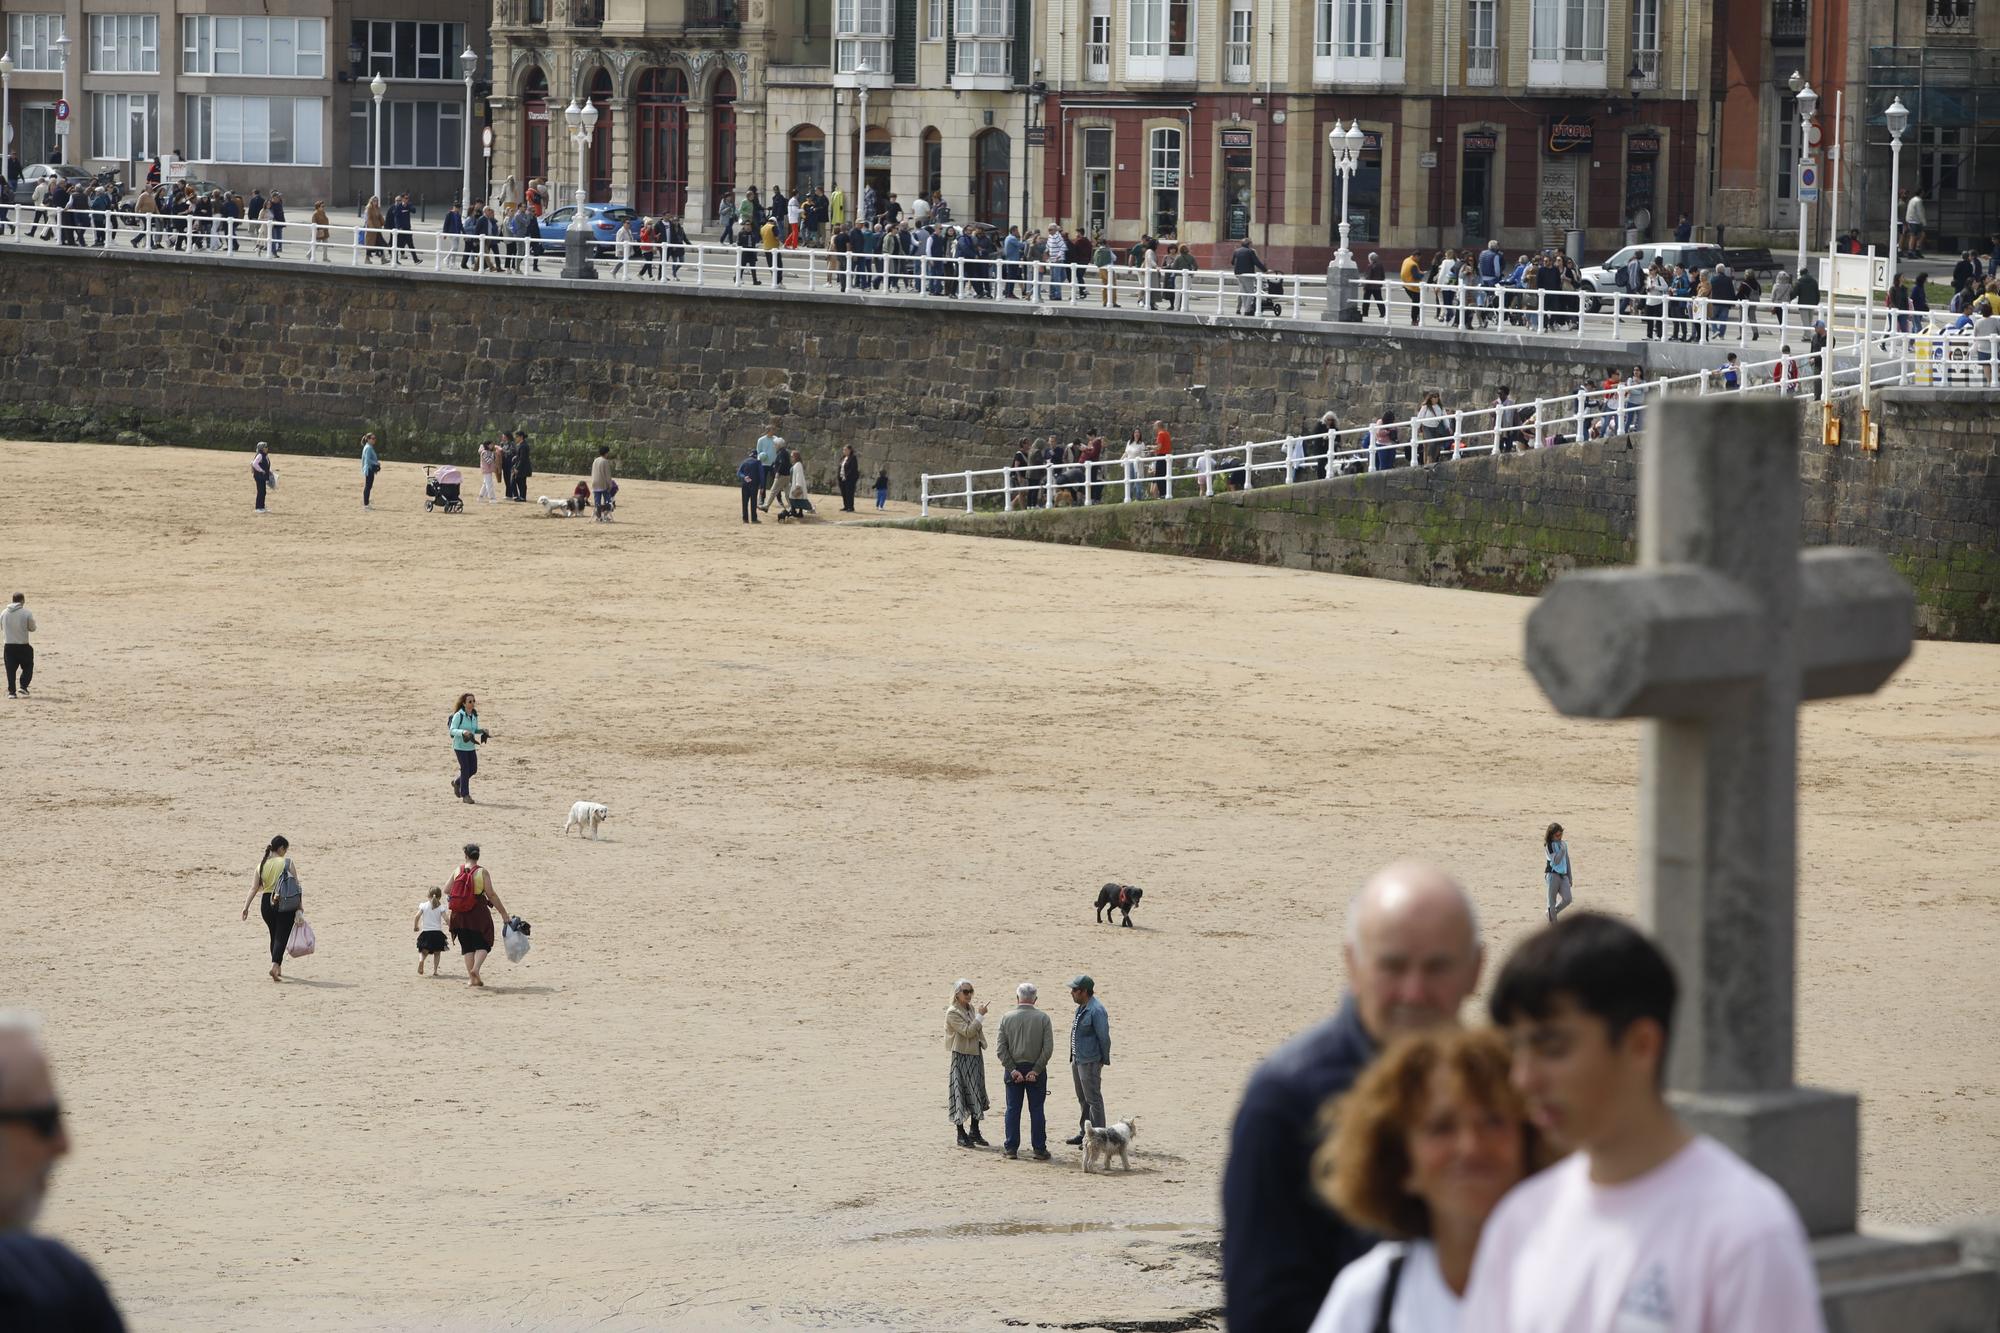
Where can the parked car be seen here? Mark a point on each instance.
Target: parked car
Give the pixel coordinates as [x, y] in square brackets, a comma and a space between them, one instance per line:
[1604, 277]
[603, 220]
[32, 176]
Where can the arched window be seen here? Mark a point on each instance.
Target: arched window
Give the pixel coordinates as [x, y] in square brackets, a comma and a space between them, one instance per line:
[722, 140]
[534, 126]
[992, 176]
[1163, 181]
[808, 159]
[662, 149]
[930, 164]
[600, 144]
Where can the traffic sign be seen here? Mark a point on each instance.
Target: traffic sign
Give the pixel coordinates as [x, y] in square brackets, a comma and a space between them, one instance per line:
[62, 108]
[1808, 182]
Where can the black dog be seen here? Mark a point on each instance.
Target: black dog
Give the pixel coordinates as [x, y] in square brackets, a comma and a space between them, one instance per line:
[1118, 898]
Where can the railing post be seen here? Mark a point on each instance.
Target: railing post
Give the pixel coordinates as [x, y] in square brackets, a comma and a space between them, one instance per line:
[1249, 464]
[1617, 312]
[968, 492]
[1049, 485]
[924, 497]
[1007, 489]
[1089, 468]
[1582, 414]
[1167, 481]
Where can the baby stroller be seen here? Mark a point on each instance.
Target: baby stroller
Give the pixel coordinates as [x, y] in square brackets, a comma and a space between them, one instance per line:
[441, 486]
[1273, 302]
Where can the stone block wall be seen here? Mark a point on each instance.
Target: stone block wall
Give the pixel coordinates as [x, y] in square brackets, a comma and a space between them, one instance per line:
[1929, 499]
[190, 350]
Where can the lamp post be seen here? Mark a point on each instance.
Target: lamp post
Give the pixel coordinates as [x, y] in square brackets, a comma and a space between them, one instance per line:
[7, 113]
[62, 126]
[1808, 103]
[1897, 117]
[582, 122]
[486, 168]
[468, 60]
[378, 86]
[1346, 145]
[866, 70]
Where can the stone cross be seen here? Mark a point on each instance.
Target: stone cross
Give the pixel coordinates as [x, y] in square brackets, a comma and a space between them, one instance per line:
[1715, 638]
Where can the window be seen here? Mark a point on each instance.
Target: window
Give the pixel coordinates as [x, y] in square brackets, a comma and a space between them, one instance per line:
[1646, 42]
[1097, 54]
[1358, 41]
[1944, 165]
[414, 134]
[1242, 31]
[1159, 39]
[259, 47]
[1566, 44]
[1163, 179]
[863, 30]
[124, 126]
[933, 162]
[405, 49]
[1096, 208]
[1482, 43]
[983, 42]
[935, 18]
[538, 11]
[32, 39]
[808, 159]
[279, 131]
[124, 44]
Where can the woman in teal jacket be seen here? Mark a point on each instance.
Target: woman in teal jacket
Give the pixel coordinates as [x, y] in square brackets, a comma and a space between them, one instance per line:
[370, 465]
[466, 735]
[1555, 869]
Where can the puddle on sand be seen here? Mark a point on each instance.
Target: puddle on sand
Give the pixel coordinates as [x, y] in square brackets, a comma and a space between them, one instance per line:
[963, 1229]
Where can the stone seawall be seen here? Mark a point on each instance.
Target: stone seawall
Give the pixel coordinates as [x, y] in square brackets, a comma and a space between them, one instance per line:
[195, 351]
[1929, 499]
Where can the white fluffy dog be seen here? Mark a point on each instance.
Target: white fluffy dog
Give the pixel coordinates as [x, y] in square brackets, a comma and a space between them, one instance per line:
[1103, 1142]
[587, 815]
[561, 508]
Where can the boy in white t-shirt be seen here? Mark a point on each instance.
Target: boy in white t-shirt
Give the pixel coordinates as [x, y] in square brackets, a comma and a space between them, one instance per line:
[430, 924]
[1646, 1227]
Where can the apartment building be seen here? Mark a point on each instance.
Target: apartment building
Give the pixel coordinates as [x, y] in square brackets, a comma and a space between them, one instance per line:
[251, 93]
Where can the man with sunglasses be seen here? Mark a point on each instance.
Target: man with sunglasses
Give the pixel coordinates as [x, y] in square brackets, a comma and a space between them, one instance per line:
[43, 1284]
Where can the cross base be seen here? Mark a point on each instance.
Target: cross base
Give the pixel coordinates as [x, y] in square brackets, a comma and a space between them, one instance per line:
[1340, 293]
[576, 250]
[1805, 1139]
[1905, 1283]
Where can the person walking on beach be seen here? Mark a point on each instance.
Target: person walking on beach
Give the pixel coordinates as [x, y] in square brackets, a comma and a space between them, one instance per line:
[278, 881]
[1089, 1052]
[965, 1034]
[432, 918]
[767, 456]
[1026, 1044]
[489, 463]
[848, 472]
[1555, 869]
[263, 474]
[472, 900]
[17, 622]
[371, 463]
[466, 737]
[750, 478]
[882, 489]
[523, 468]
[600, 484]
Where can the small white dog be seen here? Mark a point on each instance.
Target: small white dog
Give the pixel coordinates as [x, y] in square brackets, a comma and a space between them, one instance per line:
[587, 815]
[1103, 1142]
[560, 508]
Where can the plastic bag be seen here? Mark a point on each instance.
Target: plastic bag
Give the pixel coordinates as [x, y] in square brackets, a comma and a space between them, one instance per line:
[302, 941]
[514, 939]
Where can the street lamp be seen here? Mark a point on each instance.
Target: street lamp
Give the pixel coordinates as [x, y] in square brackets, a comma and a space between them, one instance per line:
[486, 168]
[582, 122]
[62, 126]
[1897, 117]
[378, 86]
[866, 69]
[468, 60]
[6, 113]
[1346, 145]
[1808, 103]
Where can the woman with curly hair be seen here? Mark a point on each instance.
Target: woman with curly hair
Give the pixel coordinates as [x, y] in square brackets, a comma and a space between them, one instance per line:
[1420, 1152]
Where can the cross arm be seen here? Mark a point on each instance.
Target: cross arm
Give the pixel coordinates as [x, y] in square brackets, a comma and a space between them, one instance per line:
[1857, 618]
[1654, 642]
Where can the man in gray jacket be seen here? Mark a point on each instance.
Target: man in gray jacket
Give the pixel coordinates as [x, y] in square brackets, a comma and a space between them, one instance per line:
[17, 622]
[1089, 1052]
[1027, 1043]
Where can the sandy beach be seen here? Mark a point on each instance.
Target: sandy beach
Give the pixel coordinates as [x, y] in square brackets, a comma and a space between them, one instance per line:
[845, 766]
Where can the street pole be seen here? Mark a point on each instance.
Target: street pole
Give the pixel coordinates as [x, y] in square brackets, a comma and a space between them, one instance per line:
[1346, 146]
[378, 87]
[1897, 118]
[582, 122]
[469, 59]
[62, 126]
[1808, 101]
[7, 114]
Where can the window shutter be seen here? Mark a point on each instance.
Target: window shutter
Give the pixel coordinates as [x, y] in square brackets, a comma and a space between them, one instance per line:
[905, 53]
[1024, 26]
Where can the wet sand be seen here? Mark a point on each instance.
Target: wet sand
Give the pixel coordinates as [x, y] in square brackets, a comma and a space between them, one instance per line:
[845, 767]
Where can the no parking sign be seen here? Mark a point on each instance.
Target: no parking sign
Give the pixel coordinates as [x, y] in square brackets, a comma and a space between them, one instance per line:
[1808, 182]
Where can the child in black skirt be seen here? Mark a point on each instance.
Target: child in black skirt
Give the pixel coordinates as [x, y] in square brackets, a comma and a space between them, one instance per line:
[429, 925]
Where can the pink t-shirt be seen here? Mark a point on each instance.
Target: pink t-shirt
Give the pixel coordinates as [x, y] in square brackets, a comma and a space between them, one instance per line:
[1700, 1244]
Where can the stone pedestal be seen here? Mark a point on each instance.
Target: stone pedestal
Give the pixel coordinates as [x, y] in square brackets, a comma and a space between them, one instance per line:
[1342, 290]
[1802, 1138]
[576, 251]
[1887, 1283]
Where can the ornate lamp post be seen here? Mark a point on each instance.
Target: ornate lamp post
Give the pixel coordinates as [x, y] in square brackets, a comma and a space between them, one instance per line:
[582, 122]
[1808, 103]
[62, 125]
[468, 60]
[1346, 145]
[1897, 117]
[6, 110]
[379, 86]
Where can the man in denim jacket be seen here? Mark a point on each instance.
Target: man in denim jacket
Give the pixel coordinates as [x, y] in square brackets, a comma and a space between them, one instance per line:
[1089, 1052]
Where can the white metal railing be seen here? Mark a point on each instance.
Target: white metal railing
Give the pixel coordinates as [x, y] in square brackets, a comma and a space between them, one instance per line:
[1210, 294]
[1947, 360]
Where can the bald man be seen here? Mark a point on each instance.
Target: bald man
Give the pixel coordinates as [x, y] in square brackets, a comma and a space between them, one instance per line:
[1413, 956]
[44, 1287]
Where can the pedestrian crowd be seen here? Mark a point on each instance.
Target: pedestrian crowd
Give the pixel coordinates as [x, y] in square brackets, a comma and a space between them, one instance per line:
[774, 472]
[1024, 1045]
[1395, 1168]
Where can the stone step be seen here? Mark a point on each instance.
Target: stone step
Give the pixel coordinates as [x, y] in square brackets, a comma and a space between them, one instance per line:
[1910, 1283]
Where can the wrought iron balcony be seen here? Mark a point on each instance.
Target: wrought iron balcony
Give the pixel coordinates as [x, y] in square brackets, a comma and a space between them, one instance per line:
[1789, 22]
[1947, 18]
[714, 14]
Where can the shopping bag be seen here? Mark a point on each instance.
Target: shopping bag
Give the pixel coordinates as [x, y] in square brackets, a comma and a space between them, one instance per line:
[302, 941]
[514, 939]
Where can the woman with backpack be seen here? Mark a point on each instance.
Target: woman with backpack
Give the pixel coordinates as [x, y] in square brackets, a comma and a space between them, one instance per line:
[466, 736]
[278, 881]
[472, 901]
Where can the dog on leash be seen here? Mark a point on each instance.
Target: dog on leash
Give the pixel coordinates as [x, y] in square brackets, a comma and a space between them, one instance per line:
[1115, 898]
[1103, 1142]
[587, 815]
[564, 508]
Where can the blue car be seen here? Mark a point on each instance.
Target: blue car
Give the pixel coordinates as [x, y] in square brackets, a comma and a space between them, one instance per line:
[604, 221]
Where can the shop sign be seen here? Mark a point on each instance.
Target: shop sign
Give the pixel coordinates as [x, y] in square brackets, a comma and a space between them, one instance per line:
[1644, 145]
[1236, 139]
[1371, 141]
[1569, 136]
[1484, 142]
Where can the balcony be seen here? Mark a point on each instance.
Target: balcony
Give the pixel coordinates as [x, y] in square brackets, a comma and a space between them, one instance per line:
[1947, 18]
[723, 15]
[1581, 68]
[1646, 64]
[1097, 61]
[1236, 62]
[1482, 66]
[1789, 22]
[586, 14]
